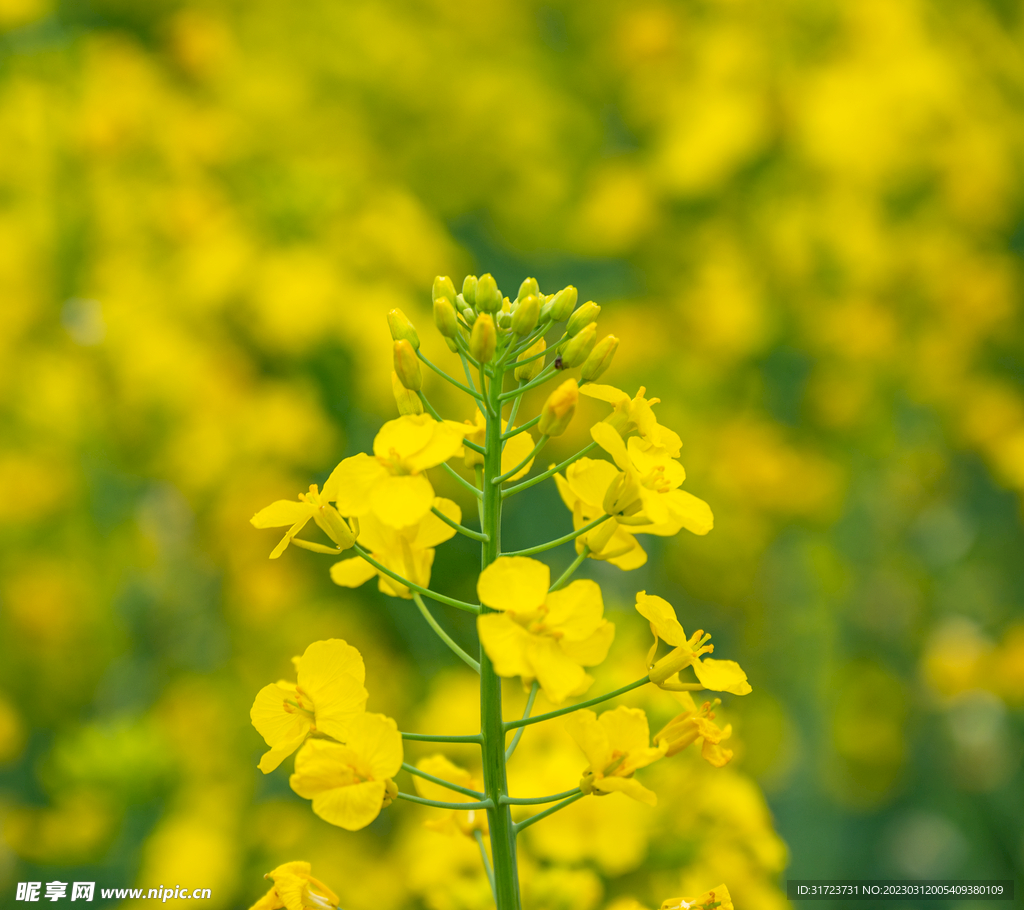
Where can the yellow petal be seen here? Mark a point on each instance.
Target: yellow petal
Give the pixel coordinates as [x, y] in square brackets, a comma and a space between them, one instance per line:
[269, 901]
[627, 729]
[332, 673]
[608, 438]
[661, 616]
[402, 501]
[591, 737]
[604, 393]
[505, 642]
[375, 738]
[590, 651]
[633, 558]
[514, 583]
[352, 807]
[321, 766]
[516, 449]
[400, 438]
[270, 718]
[431, 531]
[577, 610]
[715, 755]
[352, 481]
[559, 676]
[630, 786]
[590, 478]
[444, 443]
[692, 513]
[281, 750]
[648, 457]
[281, 513]
[721, 676]
[351, 573]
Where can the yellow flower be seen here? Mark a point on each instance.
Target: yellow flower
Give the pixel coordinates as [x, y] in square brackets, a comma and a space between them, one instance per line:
[717, 675]
[450, 821]
[296, 889]
[542, 635]
[616, 744]
[349, 784]
[329, 695]
[635, 414]
[406, 551]
[390, 484]
[515, 450]
[715, 899]
[695, 723]
[316, 505]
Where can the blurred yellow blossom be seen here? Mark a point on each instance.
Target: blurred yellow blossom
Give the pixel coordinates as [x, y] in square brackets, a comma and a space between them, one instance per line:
[295, 888]
[450, 821]
[692, 724]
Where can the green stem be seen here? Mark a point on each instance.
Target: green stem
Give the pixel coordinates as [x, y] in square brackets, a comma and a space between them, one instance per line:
[550, 472]
[551, 544]
[412, 586]
[501, 478]
[437, 804]
[465, 484]
[539, 800]
[542, 377]
[452, 523]
[452, 380]
[526, 713]
[437, 738]
[512, 724]
[444, 636]
[573, 566]
[478, 835]
[515, 431]
[525, 823]
[492, 730]
[447, 784]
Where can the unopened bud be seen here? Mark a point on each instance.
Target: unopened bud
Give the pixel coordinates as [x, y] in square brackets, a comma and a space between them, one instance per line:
[407, 366]
[402, 329]
[488, 297]
[469, 289]
[504, 320]
[334, 526]
[484, 338]
[408, 402]
[469, 314]
[600, 358]
[528, 287]
[585, 315]
[526, 315]
[578, 349]
[559, 408]
[443, 287]
[444, 317]
[563, 302]
[530, 370]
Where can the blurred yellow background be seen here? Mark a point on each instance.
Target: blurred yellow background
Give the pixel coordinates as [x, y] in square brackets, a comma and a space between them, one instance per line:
[804, 219]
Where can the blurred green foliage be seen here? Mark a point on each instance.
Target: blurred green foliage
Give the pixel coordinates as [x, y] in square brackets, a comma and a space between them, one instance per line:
[804, 220]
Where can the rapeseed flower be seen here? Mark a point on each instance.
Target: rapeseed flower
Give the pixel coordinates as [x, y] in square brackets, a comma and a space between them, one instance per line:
[717, 675]
[350, 783]
[635, 415]
[516, 448]
[542, 635]
[328, 696]
[407, 551]
[695, 723]
[715, 899]
[390, 484]
[315, 504]
[450, 821]
[295, 889]
[617, 744]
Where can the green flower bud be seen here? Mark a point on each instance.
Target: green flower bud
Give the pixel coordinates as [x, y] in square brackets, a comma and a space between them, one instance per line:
[527, 313]
[563, 302]
[484, 338]
[528, 287]
[530, 370]
[559, 408]
[443, 287]
[407, 366]
[444, 317]
[402, 328]
[578, 349]
[408, 402]
[600, 358]
[469, 314]
[585, 315]
[488, 297]
[469, 290]
[504, 320]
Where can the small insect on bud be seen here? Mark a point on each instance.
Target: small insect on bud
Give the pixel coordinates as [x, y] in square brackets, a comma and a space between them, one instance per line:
[484, 338]
[402, 329]
[407, 366]
[408, 402]
[578, 349]
[563, 302]
[444, 317]
[469, 289]
[488, 297]
[526, 315]
[528, 287]
[530, 370]
[585, 315]
[559, 409]
[600, 358]
[443, 287]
